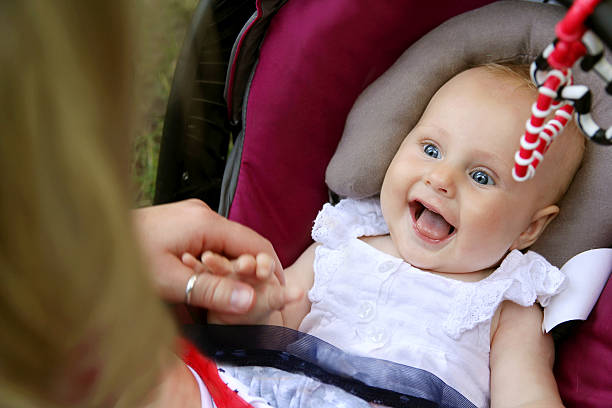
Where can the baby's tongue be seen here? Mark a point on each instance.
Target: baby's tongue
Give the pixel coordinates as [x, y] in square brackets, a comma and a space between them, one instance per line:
[432, 225]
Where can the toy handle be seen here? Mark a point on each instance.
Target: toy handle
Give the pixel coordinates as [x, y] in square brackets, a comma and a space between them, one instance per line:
[600, 21]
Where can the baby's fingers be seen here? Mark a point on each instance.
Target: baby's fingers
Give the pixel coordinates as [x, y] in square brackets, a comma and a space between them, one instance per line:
[192, 262]
[278, 299]
[260, 267]
[265, 266]
[245, 265]
[216, 264]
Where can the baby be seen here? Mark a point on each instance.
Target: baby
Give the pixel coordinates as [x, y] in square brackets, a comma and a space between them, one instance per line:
[432, 274]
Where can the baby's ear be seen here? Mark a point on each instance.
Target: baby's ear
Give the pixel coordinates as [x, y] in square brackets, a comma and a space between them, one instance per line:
[538, 224]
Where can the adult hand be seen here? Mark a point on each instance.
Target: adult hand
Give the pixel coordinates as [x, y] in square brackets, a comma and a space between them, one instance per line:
[270, 295]
[168, 231]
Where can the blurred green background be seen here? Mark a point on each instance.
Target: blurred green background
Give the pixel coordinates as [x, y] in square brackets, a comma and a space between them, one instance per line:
[164, 23]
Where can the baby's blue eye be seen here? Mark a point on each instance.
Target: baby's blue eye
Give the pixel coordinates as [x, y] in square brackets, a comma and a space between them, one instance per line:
[481, 177]
[432, 151]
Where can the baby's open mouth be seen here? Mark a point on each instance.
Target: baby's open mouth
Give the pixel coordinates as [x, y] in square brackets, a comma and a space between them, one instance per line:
[429, 223]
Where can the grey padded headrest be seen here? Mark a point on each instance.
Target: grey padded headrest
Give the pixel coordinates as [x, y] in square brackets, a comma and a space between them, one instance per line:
[388, 109]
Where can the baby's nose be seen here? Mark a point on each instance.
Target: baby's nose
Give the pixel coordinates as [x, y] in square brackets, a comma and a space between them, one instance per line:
[442, 180]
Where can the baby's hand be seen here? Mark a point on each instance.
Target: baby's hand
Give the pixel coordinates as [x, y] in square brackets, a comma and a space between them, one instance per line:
[258, 272]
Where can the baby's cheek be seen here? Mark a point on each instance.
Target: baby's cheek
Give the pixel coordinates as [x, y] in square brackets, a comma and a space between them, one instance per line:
[509, 228]
[492, 235]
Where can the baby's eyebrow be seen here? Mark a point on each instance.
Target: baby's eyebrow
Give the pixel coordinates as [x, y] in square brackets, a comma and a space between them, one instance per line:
[498, 164]
[431, 129]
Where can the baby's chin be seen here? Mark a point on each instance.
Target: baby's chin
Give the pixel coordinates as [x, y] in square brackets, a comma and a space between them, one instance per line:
[433, 263]
[425, 263]
[437, 268]
[447, 261]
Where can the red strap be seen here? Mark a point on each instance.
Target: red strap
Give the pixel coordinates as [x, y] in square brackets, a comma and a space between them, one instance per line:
[222, 395]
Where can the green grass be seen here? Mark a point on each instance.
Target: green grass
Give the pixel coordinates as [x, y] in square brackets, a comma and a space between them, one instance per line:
[164, 23]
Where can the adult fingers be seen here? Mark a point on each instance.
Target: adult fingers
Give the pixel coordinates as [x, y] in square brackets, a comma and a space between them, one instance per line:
[213, 292]
[222, 294]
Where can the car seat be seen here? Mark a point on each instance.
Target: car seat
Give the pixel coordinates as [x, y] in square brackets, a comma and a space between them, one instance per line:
[281, 96]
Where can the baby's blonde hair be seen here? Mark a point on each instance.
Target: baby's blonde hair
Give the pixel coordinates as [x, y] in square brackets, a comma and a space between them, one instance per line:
[81, 325]
[519, 72]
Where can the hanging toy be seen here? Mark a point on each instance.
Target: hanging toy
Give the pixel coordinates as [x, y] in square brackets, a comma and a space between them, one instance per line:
[551, 72]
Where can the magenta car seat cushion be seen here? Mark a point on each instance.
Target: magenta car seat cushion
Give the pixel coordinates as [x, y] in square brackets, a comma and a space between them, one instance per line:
[583, 366]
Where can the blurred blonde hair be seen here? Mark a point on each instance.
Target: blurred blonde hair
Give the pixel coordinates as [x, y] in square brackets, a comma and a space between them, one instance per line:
[80, 323]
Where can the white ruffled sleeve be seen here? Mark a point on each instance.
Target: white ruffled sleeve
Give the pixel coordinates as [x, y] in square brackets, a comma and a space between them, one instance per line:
[350, 218]
[521, 278]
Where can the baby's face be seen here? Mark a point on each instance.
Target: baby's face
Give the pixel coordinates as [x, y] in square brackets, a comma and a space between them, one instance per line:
[448, 196]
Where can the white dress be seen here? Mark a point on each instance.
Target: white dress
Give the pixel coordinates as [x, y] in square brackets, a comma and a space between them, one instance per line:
[373, 304]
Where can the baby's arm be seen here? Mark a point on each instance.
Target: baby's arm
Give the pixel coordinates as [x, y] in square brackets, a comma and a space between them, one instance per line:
[299, 275]
[521, 360]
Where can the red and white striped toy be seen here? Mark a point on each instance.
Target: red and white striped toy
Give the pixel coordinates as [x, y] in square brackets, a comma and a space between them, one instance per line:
[557, 91]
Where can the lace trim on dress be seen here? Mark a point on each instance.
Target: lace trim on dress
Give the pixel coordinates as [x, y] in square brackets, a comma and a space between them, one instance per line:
[326, 264]
[521, 278]
[349, 219]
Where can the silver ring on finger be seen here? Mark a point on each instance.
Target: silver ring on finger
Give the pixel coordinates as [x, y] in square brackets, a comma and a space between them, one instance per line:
[189, 288]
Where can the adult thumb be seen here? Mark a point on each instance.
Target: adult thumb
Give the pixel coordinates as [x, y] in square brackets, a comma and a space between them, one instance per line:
[221, 294]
